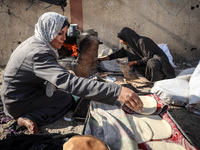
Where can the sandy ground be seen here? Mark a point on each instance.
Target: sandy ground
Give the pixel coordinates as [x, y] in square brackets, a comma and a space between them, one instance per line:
[189, 122]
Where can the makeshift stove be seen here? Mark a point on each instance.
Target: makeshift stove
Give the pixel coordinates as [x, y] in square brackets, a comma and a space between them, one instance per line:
[79, 53]
[68, 53]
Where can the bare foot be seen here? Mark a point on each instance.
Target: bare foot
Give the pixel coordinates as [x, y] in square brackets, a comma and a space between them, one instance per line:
[29, 124]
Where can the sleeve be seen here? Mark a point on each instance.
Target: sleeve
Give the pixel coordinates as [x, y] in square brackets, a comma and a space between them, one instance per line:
[119, 54]
[147, 54]
[46, 67]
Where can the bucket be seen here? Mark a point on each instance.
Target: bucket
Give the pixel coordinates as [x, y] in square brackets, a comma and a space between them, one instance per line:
[72, 30]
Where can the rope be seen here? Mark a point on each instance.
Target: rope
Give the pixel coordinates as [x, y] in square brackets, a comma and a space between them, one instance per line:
[30, 4]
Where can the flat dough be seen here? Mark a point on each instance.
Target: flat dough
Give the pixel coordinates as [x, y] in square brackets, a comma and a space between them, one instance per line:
[147, 128]
[141, 129]
[165, 145]
[161, 129]
[149, 105]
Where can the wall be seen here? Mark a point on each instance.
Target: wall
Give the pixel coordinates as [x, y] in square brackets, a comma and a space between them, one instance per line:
[174, 22]
[17, 21]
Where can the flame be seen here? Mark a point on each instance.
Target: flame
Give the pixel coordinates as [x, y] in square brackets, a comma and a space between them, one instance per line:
[72, 47]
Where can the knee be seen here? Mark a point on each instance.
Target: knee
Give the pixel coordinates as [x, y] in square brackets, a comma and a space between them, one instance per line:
[153, 63]
[63, 96]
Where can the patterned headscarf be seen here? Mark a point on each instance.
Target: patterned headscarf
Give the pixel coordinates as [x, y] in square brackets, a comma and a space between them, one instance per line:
[48, 27]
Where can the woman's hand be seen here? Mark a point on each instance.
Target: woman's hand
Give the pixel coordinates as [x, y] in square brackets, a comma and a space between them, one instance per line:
[131, 99]
[132, 63]
[103, 59]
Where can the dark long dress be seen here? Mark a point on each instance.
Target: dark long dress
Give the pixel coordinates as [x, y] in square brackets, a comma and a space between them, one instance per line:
[152, 62]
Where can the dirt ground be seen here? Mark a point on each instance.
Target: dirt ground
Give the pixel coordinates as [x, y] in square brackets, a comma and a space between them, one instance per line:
[188, 122]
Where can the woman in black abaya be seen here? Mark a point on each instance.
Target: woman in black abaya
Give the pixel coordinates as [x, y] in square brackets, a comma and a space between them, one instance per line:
[143, 55]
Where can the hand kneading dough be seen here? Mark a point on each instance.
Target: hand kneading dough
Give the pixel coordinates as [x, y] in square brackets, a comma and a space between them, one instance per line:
[149, 105]
[161, 129]
[141, 130]
[165, 145]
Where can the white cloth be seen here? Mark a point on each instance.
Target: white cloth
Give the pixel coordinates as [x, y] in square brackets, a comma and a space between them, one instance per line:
[165, 49]
[184, 90]
[194, 97]
[48, 27]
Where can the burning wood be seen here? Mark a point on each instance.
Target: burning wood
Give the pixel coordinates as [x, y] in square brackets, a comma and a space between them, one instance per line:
[72, 48]
[69, 48]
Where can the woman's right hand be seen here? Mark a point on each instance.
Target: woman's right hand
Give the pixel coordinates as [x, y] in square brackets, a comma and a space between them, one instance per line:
[103, 59]
[132, 63]
[131, 99]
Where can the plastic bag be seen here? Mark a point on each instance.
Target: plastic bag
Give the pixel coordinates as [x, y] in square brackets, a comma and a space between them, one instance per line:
[186, 74]
[172, 91]
[165, 49]
[194, 96]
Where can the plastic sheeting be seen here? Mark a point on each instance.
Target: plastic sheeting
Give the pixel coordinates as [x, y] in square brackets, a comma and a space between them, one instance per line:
[194, 98]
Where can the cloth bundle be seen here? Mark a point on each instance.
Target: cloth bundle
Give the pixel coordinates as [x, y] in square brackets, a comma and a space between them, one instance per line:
[184, 90]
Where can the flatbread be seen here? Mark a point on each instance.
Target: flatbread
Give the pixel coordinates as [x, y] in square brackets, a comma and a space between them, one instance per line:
[161, 129]
[141, 130]
[84, 142]
[165, 145]
[149, 105]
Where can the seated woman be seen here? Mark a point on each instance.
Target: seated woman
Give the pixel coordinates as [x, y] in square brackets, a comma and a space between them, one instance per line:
[33, 63]
[143, 55]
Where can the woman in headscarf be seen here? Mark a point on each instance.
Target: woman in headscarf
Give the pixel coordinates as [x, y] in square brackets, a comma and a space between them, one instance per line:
[33, 63]
[143, 55]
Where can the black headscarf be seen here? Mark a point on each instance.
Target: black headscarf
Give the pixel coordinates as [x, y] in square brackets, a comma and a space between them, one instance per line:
[66, 23]
[131, 37]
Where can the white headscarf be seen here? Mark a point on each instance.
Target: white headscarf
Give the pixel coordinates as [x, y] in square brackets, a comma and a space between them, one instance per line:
[48, 27]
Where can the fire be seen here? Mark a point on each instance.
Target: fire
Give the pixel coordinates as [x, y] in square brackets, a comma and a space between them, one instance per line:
[71, 47]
